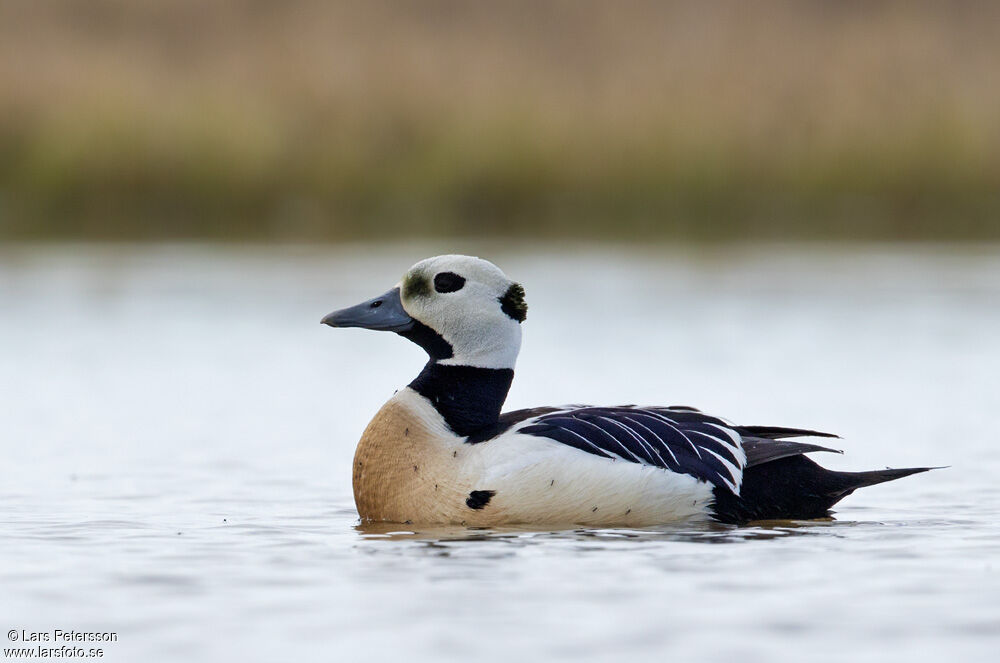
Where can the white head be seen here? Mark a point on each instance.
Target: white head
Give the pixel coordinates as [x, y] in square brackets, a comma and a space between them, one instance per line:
[463, 310]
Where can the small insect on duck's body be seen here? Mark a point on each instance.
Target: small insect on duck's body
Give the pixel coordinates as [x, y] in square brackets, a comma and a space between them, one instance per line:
[440, 451]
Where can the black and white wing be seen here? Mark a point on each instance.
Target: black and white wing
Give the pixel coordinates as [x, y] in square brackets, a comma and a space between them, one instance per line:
[681, 440]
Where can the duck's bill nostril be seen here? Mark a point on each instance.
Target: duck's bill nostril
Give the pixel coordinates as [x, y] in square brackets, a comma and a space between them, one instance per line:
[384, 312]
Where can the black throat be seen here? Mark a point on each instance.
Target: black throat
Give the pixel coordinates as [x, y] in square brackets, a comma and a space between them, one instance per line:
[469, 398]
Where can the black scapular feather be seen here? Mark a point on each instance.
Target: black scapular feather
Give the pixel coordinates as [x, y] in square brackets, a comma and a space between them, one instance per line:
[779, 432]
[760, 451]
[505, 422]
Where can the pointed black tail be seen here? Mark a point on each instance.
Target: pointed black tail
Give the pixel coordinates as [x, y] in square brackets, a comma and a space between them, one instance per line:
[855, 480]
[795, 488]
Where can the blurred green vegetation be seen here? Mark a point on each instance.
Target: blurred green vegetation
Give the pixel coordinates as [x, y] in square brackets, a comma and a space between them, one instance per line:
[308, 120]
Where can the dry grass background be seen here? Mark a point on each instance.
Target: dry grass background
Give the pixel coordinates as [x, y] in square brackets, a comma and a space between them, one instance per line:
[307, 119]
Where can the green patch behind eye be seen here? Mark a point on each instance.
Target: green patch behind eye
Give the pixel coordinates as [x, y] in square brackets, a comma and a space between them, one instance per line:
[512, 303]
[416, 285]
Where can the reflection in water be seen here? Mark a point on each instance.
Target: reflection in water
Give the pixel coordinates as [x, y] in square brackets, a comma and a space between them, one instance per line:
[690, 533]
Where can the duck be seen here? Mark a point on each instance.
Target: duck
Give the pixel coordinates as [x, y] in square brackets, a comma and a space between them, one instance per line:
[442, 452]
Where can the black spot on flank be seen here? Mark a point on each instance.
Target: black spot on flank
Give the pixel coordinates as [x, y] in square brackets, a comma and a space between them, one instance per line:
[479, 498]
[448, 282]
[512, 303]
[416, 285]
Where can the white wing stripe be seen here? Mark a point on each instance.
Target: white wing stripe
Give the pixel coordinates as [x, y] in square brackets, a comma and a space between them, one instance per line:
[658, 439]
[725, 444]
[642, 442]
[673, 424]
[733, 435]
[627, 450]
[603, 451]
[734, 474]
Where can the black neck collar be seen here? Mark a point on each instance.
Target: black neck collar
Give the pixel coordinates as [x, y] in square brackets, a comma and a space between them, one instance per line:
[469, 398]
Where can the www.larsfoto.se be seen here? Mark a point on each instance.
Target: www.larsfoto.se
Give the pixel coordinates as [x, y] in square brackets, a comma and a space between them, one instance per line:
[40, 646]
[45, 651]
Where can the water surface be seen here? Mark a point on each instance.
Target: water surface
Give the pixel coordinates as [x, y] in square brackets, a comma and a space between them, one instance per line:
[177, 431]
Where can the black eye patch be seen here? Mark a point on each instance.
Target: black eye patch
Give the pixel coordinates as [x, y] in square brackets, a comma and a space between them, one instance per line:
[448, 282]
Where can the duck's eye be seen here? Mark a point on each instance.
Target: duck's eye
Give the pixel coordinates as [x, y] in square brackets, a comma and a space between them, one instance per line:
[448, 282]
